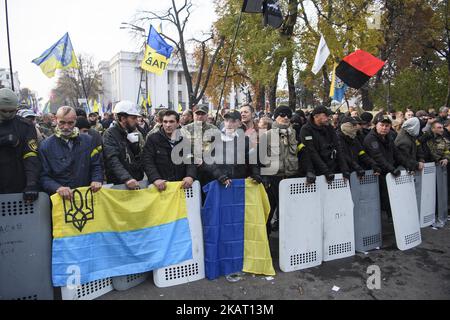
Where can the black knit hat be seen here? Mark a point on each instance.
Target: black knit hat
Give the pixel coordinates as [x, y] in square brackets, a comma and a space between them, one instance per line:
[366, 117]
[82, 123]
[321, 109]
[283, 110]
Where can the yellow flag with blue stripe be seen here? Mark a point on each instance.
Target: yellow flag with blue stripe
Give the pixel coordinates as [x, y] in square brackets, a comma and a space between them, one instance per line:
[59, 56]
[157, 53]
[115, 233]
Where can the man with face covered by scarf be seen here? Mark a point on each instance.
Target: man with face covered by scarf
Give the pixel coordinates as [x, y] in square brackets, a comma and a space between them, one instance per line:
[408, 144]
[356, 157]
[19, 162]
[70, 160]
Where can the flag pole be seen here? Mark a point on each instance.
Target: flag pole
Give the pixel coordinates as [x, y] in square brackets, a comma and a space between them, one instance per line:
[83, 85]
[228, 65]
[9, 46]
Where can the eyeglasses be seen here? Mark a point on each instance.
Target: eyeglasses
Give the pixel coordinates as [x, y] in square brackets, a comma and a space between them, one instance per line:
[284, 115]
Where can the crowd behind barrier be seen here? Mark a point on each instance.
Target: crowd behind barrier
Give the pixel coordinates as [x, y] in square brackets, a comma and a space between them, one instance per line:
[334, 220]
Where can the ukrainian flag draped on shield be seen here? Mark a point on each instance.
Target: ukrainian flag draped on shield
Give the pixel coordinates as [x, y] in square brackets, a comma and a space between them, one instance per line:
[157, 53]
[59, 56]
[234, 226]
[116, 233]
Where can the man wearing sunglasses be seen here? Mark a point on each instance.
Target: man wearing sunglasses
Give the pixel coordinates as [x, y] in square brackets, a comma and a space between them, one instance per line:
[19, 162]
[322, 146]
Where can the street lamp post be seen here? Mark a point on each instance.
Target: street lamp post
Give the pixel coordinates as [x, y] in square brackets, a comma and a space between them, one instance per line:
[9, 46]
[126, 25]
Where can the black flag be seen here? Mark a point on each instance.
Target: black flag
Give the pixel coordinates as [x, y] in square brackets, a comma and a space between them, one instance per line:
[253, 6]
[272, 14]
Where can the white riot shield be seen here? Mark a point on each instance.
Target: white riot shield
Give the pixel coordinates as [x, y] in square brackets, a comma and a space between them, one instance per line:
[442, 195]
[338, 222]
[25, 248]
[194, 269]
[367, 211]
[402, 196]
[426, 194]
[301, 239]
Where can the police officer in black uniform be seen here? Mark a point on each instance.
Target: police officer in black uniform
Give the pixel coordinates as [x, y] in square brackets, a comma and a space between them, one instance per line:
[380, 146]
[19, 162]
[322, 146]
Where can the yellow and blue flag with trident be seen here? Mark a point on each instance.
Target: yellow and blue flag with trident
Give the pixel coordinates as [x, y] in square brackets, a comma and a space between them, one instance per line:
[338, 87]
[234, 227]
[115, 233]
[157, 53]
[60, 56]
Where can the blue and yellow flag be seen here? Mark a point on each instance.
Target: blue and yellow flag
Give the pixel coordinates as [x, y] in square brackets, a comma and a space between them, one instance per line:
[338, 87]
[234, 227]
[157, 53]
[60, 56]
[115, 233]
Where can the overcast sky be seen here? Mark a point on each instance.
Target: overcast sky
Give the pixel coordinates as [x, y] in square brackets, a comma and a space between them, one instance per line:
[93, 25]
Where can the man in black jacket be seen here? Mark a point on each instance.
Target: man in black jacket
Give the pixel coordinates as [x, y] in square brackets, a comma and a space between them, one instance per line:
[407, 144]
[228, 162]
[158, 156]
[122, 147]
[380, 146]
[356, 157]
[19, 161]
[321, 144]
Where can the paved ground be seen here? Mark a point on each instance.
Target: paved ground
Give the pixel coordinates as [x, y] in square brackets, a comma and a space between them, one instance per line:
[420, 273]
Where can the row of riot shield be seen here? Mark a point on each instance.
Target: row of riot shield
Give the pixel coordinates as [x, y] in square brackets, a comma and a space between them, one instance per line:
[322, 222]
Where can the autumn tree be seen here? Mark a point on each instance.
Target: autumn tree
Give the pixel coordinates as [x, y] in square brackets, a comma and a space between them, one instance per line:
[74, 84]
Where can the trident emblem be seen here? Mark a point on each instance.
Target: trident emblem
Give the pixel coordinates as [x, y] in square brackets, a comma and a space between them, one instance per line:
[81, 209]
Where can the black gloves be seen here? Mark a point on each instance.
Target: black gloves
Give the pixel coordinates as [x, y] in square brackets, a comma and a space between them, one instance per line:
[396, 172]
[329, 177]
[310, 178]
[360, 173]
[377, 170]
[257, 178]
[346, 175]
[30, 194]
[223, 179]
[9, 140]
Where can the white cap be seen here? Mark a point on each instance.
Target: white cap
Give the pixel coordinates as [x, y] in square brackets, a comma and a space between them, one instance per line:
[127, 107]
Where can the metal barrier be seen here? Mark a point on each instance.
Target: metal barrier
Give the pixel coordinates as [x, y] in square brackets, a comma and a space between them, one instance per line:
[301, 236]
[25, 248]
[367, 211]
[338, 222]
[402, 196]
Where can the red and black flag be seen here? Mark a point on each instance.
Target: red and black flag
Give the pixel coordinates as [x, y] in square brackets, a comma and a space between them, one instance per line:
[253, 6]
[270, 9]
[357, 68]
